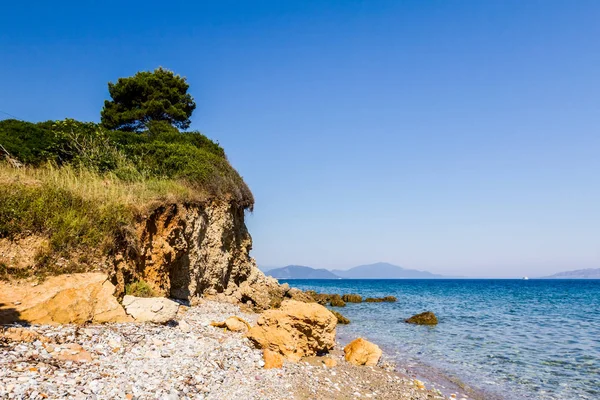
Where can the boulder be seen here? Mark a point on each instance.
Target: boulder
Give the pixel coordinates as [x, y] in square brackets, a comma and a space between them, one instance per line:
[150, 309]
[63, 299]
[352, 298]
[426, 318]
[234, 324]
[340, 318]
[295, 330]
[362, 352]
[272, 359]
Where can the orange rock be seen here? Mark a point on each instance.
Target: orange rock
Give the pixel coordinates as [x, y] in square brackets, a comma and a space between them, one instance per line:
[295, 330]
[329, 362]
[23, 335]
[72, 352]
[129, 396]
[234, 324]
[272, 359]
[362, 352]
[63, 299]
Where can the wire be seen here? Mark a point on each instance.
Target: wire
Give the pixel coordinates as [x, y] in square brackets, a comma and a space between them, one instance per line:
[10, 115]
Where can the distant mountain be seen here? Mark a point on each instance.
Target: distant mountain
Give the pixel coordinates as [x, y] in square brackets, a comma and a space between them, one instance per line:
[300, 272]
[383, 271]
[590, 273]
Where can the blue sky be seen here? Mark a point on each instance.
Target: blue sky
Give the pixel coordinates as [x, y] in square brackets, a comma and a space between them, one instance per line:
[460, 137]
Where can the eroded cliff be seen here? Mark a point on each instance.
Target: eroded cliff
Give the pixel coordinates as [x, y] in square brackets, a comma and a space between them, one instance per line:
[191, 250]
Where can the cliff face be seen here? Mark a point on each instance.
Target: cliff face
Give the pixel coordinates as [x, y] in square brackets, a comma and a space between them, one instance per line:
[189, 250]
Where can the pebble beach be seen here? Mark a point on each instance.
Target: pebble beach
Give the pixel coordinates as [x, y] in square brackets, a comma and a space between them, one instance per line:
[184, 359]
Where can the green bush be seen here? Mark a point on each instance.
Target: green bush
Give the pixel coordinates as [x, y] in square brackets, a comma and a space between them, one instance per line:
[29, 143]
[139, 289]
[159, 152]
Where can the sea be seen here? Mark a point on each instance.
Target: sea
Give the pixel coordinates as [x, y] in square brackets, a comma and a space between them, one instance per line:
[512, 339]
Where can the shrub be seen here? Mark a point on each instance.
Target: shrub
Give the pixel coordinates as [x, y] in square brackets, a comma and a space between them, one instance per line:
[139, 289]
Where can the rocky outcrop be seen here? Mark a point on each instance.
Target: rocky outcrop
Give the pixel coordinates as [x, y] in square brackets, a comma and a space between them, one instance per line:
[362, 352]
[74, 298]
[188, 250]
[295, 330]
[335, 300]
[159, 310]
[352, 298]
[386, 299]
[426, 318]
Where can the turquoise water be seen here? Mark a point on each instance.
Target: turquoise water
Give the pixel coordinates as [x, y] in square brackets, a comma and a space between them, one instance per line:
[535, 339]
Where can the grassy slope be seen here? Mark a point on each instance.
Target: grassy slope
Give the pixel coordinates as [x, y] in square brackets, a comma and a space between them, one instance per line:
[83, 188]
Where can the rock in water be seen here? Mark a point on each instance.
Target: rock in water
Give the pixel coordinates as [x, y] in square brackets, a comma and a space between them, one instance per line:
[340, 318]
[272, 359]
[352, 298]
[336, 301]
[150, 309]
[362, 352]
[426, 318]
[295, 330]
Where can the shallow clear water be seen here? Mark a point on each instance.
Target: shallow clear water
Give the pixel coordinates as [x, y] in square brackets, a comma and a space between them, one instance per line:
[535, 339]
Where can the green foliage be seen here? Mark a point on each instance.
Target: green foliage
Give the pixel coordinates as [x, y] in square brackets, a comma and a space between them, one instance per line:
[28, 142]
[148, 97]
[139, 289]
[161, 152]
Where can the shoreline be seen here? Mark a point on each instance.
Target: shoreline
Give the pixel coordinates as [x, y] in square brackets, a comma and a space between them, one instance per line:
[184, 359]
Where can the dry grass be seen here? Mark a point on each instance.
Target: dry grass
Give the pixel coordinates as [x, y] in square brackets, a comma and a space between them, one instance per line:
[83, 215]
[105, 188]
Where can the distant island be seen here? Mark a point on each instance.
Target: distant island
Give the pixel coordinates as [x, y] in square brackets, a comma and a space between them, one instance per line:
[300, 272]
[590, 273]
[379, 270]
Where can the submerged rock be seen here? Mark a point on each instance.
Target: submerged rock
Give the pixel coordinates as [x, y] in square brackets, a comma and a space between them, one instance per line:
[362, 352]
[295, 330]
[386, 299]
[340, 318]
[426, 318]
[352, 298]
[150, 309]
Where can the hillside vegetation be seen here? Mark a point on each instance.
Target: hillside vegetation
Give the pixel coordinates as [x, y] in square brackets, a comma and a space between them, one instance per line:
[82, 187]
